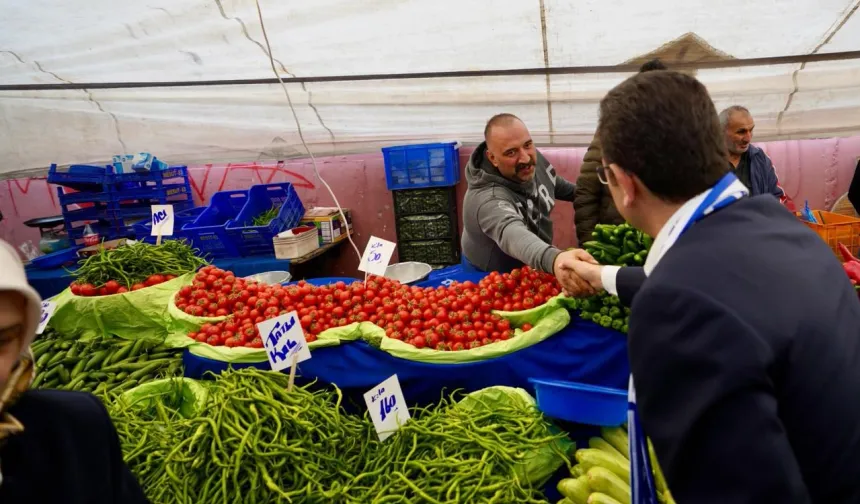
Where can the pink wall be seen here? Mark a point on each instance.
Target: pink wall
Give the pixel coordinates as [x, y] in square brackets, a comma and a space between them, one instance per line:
[817, 170]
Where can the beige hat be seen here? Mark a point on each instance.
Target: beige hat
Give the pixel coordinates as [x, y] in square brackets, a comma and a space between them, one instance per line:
[13, 278]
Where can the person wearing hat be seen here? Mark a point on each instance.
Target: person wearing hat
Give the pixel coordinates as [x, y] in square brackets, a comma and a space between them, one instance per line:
[55, 446]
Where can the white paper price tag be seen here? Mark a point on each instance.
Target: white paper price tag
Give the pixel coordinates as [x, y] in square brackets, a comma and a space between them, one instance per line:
[283, 337]
[48, 308]
[162, 220]
[376, 256]
[387, 407]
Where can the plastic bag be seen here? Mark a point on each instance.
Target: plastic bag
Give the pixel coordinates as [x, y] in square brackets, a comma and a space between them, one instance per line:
[132, 315]
[539, 466]
[184, 395]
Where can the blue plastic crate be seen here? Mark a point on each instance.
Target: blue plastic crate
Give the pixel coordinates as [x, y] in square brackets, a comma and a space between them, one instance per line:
[80, 177]
[425, 165]
[208, 232]
[143, 229]
[68, 198]
[151, 176]
[106, 231]
[581, 403]
[257, 240]
[161, 193]
[56, 259]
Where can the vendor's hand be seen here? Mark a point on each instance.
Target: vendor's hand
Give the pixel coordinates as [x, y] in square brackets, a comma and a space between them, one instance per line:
[571, 282]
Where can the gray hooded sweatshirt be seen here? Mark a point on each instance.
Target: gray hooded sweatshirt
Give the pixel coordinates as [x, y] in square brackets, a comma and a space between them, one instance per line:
[506, 224]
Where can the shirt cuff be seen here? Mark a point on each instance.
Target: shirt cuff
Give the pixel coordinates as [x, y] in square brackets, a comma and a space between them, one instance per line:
[607, 278]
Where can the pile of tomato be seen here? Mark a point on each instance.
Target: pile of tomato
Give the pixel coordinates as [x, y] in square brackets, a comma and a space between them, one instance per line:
[454, 317]
[113, 287]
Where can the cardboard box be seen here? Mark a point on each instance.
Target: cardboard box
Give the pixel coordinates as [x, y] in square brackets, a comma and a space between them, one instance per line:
[329, 223]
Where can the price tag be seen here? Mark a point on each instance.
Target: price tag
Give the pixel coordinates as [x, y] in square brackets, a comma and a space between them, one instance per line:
[48, 308]
[376, 256]
[387, 407]
[283, 337]
[162, 220]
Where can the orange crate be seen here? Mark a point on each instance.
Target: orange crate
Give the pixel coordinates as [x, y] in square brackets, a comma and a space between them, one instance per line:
[835, 229]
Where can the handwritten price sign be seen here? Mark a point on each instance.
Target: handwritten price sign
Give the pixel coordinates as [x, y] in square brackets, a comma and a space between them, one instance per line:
[387, 407]
[48, 308]
[162, 220]
[376, 256]
[283, 337]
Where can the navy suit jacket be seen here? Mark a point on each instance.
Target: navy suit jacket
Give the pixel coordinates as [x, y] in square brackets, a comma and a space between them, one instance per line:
[68, 453]
[744, 345]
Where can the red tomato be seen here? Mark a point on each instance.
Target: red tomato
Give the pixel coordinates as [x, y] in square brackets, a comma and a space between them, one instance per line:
[418, 342]
[111, 286]
[154, 280]
[103, 291]
[75, 288]
[526, 327]
[122, 290]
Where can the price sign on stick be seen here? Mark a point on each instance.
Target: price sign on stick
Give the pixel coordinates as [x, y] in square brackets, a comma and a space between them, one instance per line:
[376, 256]
[162, 220]
[283, 339]
[387, 407]
[48, 308]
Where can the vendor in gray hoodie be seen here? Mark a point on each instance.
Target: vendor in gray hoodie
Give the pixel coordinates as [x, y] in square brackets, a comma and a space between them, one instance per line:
[512, 190]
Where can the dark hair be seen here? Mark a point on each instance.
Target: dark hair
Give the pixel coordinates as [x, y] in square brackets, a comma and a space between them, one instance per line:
[654, 64]
[498, 120]
[663, 128]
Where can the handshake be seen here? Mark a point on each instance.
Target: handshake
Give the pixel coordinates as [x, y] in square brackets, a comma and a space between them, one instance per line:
[578, 273]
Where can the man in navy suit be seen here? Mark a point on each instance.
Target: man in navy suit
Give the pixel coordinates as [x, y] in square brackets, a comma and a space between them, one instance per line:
[744, 339]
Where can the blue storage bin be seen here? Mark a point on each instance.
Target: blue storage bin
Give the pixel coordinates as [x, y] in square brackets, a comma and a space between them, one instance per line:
[56, 259]
[80, 177]
[581, 403]
[425, 165]
[143, 229]
[257, 240]
[151, 176]
[208, 232]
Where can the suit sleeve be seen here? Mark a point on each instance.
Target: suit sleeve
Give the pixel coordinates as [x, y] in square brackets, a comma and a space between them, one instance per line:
[586, 201]
[502, 223]
[628, 281]
[707, 402]
[125, 486]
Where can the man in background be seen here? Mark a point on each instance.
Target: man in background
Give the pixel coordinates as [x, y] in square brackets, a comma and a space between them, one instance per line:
[592, 203]
[511, 191]
[750, 164]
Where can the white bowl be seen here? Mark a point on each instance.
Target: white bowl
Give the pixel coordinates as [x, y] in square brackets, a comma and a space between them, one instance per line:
[271, 277]
[408, 272]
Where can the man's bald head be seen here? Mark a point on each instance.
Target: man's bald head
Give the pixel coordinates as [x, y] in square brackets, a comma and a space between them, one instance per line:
[510, 147]
[501, 120]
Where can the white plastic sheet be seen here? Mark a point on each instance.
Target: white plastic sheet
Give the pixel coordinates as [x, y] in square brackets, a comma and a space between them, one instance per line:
[52, 42]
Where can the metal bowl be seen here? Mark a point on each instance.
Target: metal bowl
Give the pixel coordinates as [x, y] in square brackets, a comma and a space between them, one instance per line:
[408, 272]
[271, 277]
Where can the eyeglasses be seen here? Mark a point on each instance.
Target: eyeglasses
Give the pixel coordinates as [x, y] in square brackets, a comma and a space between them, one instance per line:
[602, 174]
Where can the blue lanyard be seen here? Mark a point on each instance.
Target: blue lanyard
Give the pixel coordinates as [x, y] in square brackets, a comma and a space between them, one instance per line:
[710, 200]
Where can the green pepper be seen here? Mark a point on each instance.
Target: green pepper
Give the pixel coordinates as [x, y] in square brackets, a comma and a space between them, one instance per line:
[586, 315]
[624, 328]
[605, 321]
[604, 311]
[617, 324]
[614, 312]
[639, 258]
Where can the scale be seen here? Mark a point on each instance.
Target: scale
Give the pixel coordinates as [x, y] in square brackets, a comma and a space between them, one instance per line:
[53, 232]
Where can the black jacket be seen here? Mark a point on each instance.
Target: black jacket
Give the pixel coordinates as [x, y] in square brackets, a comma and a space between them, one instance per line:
[744, 345]
[68, 453]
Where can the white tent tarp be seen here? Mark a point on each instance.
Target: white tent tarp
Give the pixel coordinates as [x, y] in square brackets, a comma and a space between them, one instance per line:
[55, 42]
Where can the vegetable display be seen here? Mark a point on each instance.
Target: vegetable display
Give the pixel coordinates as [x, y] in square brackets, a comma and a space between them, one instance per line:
[621, 245]
[133, 267]
[602, 472]
[456, 317]
[256, 441]
[101, 365]
[615, 245]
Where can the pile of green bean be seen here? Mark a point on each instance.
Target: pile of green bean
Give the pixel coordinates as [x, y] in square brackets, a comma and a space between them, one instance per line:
[134, 263]
[448, 454]
[100, 365]
[257, 442]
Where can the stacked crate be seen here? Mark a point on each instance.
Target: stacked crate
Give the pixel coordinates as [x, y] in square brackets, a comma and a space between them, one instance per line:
[112, 203]
[422, 179]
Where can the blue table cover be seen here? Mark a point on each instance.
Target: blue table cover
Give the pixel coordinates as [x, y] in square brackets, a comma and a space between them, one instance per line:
[53, 281]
